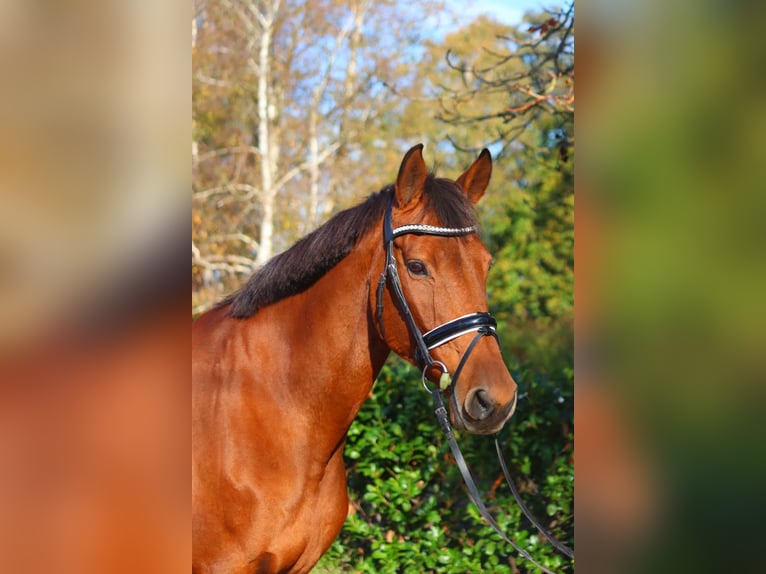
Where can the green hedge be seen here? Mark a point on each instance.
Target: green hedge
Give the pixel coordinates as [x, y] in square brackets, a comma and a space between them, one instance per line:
[412, 511]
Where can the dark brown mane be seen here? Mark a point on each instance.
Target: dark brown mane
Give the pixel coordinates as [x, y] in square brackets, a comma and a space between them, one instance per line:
[303, 264]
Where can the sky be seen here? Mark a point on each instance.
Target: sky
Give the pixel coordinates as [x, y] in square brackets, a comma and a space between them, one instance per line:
[506, 11]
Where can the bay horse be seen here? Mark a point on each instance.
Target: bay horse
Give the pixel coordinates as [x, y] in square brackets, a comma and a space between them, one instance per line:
[282, 367]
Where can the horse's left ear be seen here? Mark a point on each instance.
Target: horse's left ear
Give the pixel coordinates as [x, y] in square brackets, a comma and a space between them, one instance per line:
[476, 178]
[412, 177]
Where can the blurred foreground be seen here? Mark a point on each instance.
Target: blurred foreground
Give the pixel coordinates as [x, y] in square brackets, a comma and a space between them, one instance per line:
[94, 179]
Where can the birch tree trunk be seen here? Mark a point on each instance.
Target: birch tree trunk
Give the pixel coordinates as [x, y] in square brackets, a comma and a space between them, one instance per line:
[350, 33]
[313, 168]
[266, 154]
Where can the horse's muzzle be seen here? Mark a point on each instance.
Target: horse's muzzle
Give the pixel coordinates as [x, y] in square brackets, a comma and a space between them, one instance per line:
[480, 413]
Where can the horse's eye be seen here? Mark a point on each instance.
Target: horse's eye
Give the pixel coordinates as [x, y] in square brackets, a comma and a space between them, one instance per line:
[417, 267]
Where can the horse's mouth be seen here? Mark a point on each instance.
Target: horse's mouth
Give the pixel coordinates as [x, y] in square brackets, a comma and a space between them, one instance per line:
[461, 420]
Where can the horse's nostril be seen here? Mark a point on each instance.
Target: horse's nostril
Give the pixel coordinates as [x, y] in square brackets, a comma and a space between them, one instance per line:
[479, 405]
[483, 400]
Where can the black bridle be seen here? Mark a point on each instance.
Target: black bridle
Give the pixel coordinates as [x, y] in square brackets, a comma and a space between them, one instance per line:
[483, 324]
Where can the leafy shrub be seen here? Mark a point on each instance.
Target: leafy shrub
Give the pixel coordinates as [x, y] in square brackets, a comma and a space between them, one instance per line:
[412, 511]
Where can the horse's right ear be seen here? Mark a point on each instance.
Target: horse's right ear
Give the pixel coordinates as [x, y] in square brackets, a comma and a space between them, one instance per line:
[411, 178]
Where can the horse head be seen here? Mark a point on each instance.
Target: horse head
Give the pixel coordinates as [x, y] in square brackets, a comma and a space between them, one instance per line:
[434, 312]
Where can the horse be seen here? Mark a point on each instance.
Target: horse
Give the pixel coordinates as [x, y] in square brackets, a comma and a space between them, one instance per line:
[281, 367]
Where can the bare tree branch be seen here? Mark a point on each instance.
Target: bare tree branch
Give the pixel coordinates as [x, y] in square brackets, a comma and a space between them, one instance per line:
[544, 84]
[227, 151]
[242, 237]
[250, 191]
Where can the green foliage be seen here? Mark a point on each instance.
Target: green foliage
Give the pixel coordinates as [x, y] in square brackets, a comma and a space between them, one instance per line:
[413, 513]
[529, 228]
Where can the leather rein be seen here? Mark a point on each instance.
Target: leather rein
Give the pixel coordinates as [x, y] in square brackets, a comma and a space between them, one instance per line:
[484, 325]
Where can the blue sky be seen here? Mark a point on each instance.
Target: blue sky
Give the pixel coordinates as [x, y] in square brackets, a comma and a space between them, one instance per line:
[462, 12]
[506, 11]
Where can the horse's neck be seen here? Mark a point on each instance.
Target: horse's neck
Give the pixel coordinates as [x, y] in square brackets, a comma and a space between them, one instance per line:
[340, 352]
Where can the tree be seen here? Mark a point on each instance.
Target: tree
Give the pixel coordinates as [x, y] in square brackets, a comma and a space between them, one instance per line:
[532, 72]
[287, 95]
[487, 87]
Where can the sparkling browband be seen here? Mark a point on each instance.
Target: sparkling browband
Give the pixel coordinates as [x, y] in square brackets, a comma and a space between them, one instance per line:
[431, 230]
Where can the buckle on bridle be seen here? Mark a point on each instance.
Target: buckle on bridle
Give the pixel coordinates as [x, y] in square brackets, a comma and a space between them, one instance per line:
[444, 371]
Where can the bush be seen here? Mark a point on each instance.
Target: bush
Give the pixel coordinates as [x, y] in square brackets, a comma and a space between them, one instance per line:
[412, 511]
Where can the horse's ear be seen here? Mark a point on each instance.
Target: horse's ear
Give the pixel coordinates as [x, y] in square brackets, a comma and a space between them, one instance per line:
[411, 178]
[476, 178]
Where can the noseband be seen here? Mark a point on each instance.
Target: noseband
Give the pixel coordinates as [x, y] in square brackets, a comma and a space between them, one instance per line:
[483, 324]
